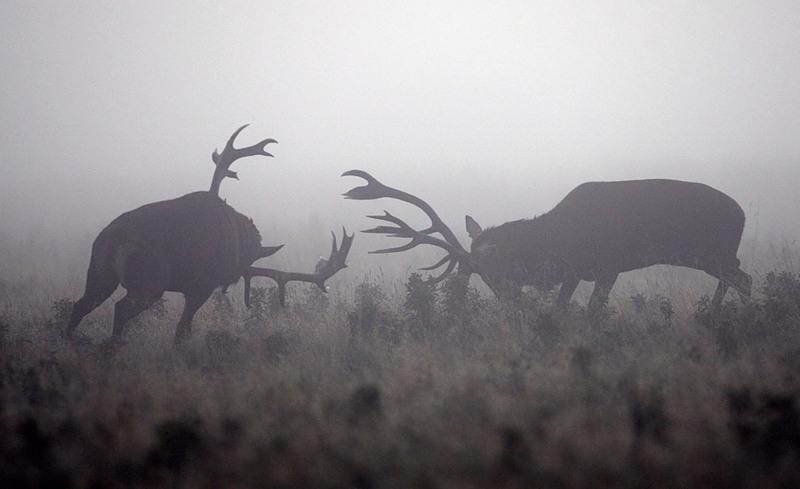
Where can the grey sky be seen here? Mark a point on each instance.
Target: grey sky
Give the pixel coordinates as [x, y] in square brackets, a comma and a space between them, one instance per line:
[496, 109]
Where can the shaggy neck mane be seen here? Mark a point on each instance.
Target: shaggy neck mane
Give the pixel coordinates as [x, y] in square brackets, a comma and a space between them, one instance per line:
[514, 232]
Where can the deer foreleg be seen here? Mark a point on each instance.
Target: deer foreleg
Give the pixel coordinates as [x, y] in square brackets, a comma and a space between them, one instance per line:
[719, 294]
[602, 287]
[126, 309]
[193, 302]
[568, 287]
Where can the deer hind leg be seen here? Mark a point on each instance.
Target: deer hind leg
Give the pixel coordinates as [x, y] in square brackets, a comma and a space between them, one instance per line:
[719, 294]
[739, 280]
[602, 287]
[100, 284]
[731, 277]
[126, 309]
[568, 287]
[193, 302]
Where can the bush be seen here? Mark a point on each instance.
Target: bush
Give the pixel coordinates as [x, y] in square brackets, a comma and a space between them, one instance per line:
[61, 311]
[755, 320]
[458, 300]
[370, 314]
[260, 306]
[420, 303]
[222, 307]
[782, 296]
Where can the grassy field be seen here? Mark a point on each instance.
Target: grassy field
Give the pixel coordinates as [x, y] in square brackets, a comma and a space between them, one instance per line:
[406, 387]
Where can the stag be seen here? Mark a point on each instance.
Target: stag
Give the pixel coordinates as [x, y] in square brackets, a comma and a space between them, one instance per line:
[193, 244]
[599, 230]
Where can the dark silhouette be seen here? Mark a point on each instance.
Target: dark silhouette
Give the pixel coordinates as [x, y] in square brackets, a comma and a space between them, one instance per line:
[598, 231]
[192, 245]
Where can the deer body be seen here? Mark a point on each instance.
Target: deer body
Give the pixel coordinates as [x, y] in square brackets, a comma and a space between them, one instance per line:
[194, 242]
[192, 245]
[602, 229]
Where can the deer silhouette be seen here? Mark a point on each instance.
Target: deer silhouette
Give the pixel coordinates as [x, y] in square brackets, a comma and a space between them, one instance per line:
[599, 230]
[193, 244]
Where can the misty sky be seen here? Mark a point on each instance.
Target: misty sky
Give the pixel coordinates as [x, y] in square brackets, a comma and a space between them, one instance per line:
[496, 109]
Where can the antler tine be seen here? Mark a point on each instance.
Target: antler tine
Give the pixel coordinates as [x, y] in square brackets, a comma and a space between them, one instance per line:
[325, 269]
[376, 190]
[456, 254]
[257, 149]
[229, 154]
[339, 254]
[450, 267]
[403, 226]
[400, 230]
[403, 230]
[229, 144]
[396, 249]
[447, 258]
[344, 249]
[392, 231]
[236, 153]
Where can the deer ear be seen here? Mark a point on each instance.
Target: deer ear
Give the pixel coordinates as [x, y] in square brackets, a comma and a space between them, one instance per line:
[473, 228]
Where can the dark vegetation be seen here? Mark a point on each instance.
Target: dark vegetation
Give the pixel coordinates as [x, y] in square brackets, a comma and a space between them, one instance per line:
[430, 386]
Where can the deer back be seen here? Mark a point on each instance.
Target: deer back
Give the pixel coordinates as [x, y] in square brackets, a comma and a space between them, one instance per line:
[201, 241]
[612, 227]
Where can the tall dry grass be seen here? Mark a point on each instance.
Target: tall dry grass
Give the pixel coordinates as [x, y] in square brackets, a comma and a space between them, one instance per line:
[406, 386]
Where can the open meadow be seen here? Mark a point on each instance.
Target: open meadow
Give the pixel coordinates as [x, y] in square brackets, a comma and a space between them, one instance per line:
[407, 386]
[223, 226]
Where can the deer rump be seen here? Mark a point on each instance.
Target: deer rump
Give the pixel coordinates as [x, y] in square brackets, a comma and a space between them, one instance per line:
[191, 244]
[601, 229]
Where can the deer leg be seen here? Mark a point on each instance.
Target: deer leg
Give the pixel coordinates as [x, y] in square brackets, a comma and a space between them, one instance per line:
[193, 302]
[507, 291]
[568, 287]
[82, 307]
[741, 281]
[99, 287]
[126, 309]
[719, 294]
[730, 277]
[602, 287]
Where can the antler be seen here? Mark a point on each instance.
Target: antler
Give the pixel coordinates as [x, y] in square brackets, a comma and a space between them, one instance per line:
[325, 269]
[456, 254]
[230, 154]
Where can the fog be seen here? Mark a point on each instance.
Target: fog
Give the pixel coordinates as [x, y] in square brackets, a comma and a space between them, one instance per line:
[495, 109]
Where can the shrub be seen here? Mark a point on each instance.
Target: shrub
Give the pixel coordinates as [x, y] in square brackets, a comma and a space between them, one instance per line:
[420, 303]
[370, 314]
[782, 296]
[735, 322]
[458, 300]
[260, 306]
[61, 310]
[222, 310]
